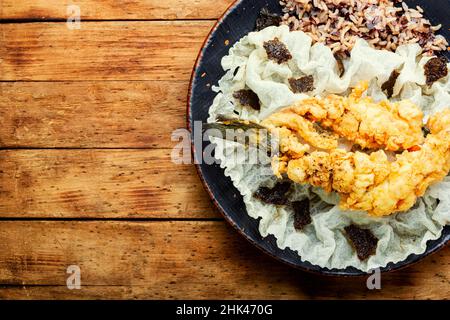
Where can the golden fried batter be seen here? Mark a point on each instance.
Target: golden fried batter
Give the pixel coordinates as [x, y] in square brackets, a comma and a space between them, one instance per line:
[410, 175]
[370, 182]
[305, 129]
[391, 126]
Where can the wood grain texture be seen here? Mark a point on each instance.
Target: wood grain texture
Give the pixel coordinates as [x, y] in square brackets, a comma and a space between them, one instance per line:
[190, 260]
[99, 183]
[107, 114]
[157, 50]
[123, 84]
[114, 10]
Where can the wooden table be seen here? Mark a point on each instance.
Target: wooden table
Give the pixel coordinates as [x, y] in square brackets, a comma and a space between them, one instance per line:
[85, 172]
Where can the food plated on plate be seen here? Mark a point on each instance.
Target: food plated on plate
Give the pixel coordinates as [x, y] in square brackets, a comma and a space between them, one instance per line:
[358, 174]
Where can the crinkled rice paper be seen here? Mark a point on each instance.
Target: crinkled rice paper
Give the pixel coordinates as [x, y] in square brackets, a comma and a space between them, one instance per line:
[323, 242]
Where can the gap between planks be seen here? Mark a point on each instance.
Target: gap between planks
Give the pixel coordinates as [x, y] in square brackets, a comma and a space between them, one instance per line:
[98, 219]
[50, 20]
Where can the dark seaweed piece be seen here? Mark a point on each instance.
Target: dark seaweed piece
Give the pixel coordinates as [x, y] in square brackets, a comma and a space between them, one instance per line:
[247, 98]
[302, 214]
[388, 86]
[267, 19]
[435, 69]
[363, 240]
[277, 51]
[276, 195]
[340, 64]
[303, 84]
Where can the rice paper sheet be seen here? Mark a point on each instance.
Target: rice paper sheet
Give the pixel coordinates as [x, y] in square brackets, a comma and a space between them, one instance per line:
[323, 242]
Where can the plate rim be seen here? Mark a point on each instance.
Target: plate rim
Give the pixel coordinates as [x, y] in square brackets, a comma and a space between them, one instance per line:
[321, 271]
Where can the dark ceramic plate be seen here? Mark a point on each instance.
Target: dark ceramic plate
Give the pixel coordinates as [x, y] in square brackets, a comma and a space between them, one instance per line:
[237, 22]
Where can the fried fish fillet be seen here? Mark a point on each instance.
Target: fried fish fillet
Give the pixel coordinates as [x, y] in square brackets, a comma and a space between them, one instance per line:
[307, 130]
[370, 182]
[389, 125]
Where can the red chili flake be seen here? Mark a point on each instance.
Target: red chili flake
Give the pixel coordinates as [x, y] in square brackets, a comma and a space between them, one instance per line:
[415, 148]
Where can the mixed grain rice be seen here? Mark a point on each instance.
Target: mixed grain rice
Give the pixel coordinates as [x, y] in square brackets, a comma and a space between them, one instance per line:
[338, 23]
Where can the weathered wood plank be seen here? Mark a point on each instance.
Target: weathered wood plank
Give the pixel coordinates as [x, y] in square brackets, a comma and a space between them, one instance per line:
[99, 183]
[113, 9]
[190, 260]
[98, 114]
[157, 50]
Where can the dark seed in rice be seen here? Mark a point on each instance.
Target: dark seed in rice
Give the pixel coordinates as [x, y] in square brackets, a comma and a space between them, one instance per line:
[303, 84]
[277, 51]
[247, 98]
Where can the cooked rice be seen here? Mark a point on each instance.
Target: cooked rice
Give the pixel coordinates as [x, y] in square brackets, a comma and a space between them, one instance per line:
[338, 23]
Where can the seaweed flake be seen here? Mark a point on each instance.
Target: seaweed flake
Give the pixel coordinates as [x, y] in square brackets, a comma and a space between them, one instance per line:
[247, 98]
[277, 51]
[435, 69]
[303, 84]
[266, 19]
[302, 213]
[388, 86]
[276, 195]
[363, 240]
